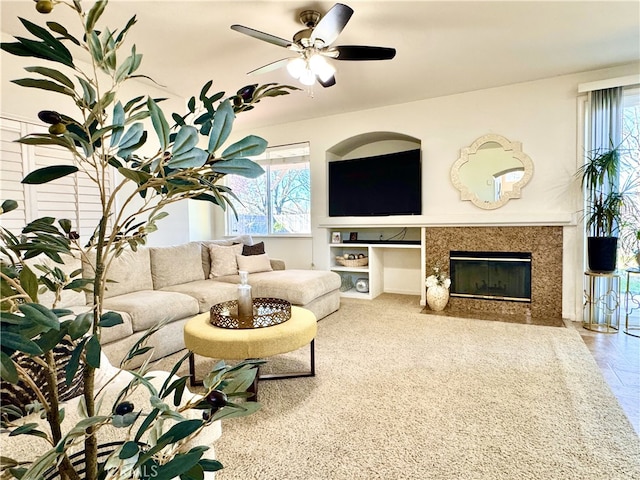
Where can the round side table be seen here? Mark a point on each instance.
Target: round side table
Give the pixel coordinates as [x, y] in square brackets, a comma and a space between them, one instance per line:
[631, 304]
[601, 302]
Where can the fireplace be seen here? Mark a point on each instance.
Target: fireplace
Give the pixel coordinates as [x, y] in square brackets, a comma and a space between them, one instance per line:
[504, 276]
[545, 244]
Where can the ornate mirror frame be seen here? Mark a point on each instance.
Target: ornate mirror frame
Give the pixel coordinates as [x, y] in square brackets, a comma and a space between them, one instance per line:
[469, 154]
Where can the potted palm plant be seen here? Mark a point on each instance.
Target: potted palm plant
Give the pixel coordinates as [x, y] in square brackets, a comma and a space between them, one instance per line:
[606, 201]
[103, 133]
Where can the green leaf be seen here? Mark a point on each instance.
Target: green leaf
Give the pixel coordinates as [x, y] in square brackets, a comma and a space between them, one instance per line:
[89, 93]
[28, 429]
[44, 85]
[118, 123]
[160, 124]
[181, 463]
[80, 325]
[54, 74]
[131, 137]
[222, 125]
[40, 315]
[53, 43]
[15, 341]
[59, 29]
[238, 166]
[74, 362]
[186, 140]
[44, 139]
[110, 319]
[8, 205]
[210, 465]
[29, 282]
[132, 21]
[94, 14]
[8, 370]
[129, 449]
[194, 158]
[93, 352]
[47, 174]
[136, 175]
[249, 146]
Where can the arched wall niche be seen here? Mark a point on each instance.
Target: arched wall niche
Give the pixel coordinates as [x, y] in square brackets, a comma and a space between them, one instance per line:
[371, 144]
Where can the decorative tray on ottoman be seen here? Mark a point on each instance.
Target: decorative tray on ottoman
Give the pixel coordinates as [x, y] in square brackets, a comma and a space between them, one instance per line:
[266, 313]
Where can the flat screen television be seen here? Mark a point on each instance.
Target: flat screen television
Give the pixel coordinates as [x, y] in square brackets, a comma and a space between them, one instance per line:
[382, 185]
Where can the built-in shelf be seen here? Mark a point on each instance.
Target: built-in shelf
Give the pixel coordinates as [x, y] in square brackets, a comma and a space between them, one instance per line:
[376, 252]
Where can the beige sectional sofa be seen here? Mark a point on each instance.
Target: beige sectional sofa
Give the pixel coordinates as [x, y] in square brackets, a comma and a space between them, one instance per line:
[173, 284]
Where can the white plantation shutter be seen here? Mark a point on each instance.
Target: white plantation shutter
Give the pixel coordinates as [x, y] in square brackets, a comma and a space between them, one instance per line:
[11, 173]
[74, 197]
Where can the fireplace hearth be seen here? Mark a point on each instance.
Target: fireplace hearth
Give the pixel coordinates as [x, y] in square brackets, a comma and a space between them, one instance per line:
[504, 276]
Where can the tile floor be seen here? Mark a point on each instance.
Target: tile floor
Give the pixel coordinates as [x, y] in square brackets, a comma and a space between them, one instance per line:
[618, 356]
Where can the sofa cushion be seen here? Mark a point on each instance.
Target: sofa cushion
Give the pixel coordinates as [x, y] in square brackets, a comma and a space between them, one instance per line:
[206, 292]
[68, 298]
[108, 334]
[149, 307]
[176, 265]
[223, 259]
[254, 263]
[297, 286]
[129, 272]
[206, 259]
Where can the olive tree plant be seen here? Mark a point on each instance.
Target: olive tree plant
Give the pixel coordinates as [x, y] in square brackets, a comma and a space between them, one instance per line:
[185, 157]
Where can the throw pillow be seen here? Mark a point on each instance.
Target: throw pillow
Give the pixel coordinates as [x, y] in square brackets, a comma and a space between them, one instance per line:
[254, 263]
[223, 259]
[20, 394]
[255, 249]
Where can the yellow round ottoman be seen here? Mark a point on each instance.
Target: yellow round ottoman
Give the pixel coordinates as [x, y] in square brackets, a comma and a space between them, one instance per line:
[202, 338]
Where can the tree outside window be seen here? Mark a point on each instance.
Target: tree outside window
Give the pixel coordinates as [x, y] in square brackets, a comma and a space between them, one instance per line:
[278, 202]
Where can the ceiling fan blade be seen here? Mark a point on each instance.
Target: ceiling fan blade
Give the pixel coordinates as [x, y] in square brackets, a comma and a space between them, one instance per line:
[328, 83]
[330, 26]
[265, 37]
[269, 67]
[363, 52]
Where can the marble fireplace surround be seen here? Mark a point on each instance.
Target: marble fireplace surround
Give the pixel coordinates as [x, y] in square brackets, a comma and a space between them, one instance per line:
[543, 242]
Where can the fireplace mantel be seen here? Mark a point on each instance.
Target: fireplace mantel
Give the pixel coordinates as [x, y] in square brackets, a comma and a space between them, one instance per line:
[477, 219]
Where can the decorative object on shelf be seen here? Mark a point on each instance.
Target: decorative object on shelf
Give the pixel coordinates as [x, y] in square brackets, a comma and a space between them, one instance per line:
[336, 237]
[245, 302]
[353, 236]
[438, 284]
[352, 262]
[491, 171]
[362, 285]
[266, 312]
[347, 283]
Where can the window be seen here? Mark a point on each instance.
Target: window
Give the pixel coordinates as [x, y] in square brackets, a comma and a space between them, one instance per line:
[278, 202]
[74, 197]
[630, 166]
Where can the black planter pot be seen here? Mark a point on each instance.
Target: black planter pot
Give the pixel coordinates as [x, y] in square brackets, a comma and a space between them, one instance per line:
[601, 254]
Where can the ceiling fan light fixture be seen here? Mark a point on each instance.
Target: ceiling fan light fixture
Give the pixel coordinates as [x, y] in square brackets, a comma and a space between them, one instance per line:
[323, 69]
[296, 67]
[307, 78]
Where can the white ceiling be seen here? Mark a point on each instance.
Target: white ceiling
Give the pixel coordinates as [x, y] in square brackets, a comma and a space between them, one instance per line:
[443, 47]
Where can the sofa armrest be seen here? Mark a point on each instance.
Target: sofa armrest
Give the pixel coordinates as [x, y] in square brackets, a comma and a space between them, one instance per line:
[277, 264]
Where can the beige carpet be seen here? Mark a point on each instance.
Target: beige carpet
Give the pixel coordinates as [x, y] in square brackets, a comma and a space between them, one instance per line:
[404, 395]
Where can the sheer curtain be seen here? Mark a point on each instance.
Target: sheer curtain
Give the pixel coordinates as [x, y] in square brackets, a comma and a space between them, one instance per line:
[605, 108]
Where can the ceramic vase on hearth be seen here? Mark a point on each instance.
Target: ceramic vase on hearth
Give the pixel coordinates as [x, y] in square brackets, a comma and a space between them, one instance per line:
[437, 297]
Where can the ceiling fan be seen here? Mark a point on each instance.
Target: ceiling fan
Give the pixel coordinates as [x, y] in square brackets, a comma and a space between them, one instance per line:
[314, 44]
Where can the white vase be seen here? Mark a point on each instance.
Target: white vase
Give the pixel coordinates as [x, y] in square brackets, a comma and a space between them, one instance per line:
[437, 297]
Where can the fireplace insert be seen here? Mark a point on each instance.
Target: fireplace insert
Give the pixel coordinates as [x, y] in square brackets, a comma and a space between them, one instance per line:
[491, 275]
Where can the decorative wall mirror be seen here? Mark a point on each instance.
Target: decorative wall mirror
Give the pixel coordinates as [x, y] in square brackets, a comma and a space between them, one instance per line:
[491, 171]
